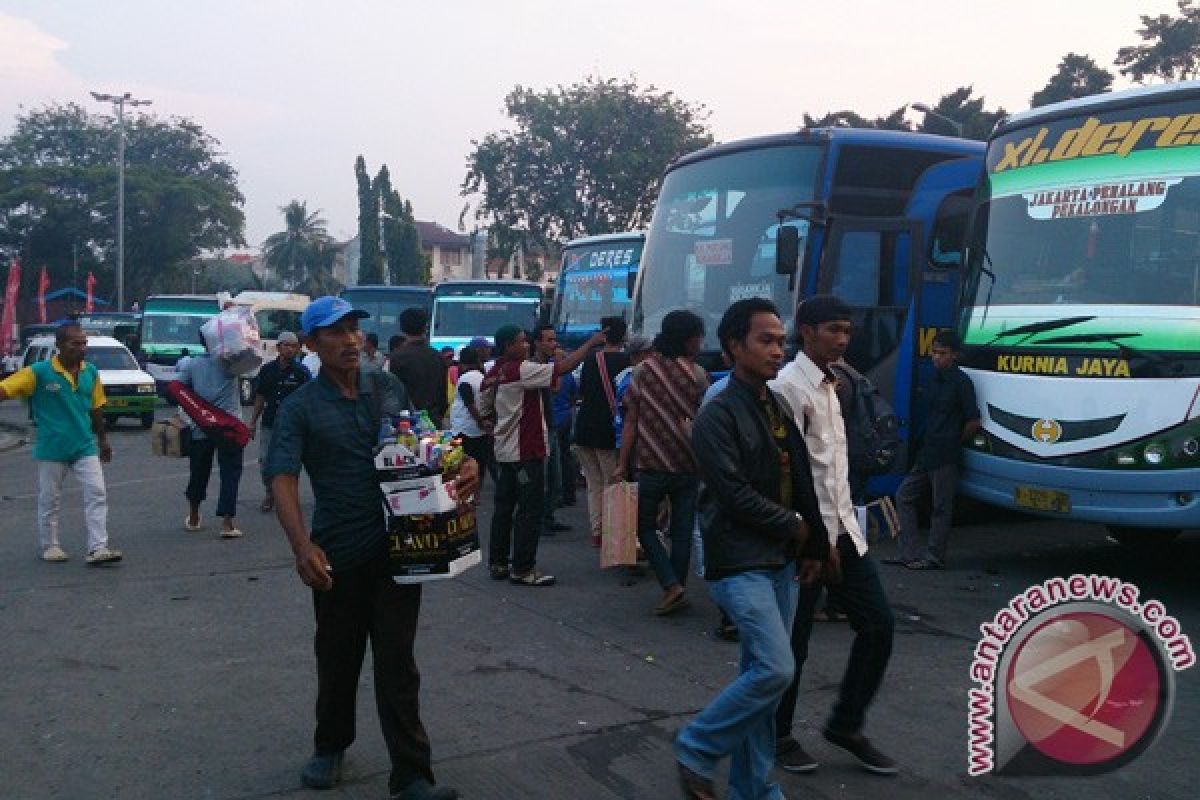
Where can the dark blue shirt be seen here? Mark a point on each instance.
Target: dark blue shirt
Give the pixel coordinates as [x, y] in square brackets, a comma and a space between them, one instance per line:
[275, 382]
[564, 401]
[333, 438]
[951, 406]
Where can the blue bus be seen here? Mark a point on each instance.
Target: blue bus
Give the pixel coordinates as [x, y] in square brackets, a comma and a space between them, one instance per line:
[876, 217]
[593, 283]
[385, 304]
[463, 310]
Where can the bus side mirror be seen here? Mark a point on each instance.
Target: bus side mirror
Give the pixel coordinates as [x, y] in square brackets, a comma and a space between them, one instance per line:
[630, 281]
[787, 250]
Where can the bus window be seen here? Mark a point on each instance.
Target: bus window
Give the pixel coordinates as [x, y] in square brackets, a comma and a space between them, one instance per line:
[950, 231]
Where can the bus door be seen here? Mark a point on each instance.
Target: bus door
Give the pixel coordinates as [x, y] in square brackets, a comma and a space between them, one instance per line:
[871, 264]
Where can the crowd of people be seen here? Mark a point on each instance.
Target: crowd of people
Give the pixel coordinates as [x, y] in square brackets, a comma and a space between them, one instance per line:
[754, 469]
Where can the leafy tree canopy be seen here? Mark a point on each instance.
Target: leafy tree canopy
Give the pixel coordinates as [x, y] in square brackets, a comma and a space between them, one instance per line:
[1170, 47]
[581, 160]
[302, 248]
[58, 197]
[1077, 76]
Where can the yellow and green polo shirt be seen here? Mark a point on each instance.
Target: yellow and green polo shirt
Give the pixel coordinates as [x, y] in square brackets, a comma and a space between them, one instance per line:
[61, 406]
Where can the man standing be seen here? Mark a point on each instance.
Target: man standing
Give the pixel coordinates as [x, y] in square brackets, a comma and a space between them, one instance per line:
[511, 394]
[953, 418]
[465, 420]
[66, 399]
[419, 366]
[207, 376]
[329, 427]
[275, 381]
[563, 404]
[759, 513]
[545, 345]
[372, 356]
[807, 385]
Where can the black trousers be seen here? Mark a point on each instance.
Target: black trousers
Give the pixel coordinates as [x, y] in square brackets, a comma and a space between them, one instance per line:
[517, 520]
[365, 603]
[480, 448]
[200, 460]
[570, 469]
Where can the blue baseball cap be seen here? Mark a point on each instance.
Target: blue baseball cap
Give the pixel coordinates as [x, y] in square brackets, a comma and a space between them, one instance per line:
[325, 311]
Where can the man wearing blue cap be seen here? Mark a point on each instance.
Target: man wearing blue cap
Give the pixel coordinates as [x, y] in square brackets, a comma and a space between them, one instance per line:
[329, 427]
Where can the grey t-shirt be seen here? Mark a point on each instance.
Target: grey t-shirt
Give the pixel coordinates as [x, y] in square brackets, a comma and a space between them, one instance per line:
[208, 378]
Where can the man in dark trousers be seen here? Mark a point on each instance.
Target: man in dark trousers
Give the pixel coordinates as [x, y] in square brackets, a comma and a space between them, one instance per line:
[275, 381]
[419, 366]
[329, 427]
[953, 418]
[759, 513]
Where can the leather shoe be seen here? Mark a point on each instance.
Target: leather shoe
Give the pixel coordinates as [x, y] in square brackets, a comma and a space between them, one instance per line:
[323, 770]
[421, 789]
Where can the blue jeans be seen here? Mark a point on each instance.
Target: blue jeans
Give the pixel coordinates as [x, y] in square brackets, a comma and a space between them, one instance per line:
[682, 489]
[740, 721]
[861, 596]
[553, 486]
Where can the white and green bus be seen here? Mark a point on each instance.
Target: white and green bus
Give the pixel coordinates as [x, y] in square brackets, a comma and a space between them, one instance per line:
[171, 329]
[1081, 313]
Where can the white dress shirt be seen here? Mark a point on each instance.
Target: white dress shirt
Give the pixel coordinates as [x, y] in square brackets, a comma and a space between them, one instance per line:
[811, 399]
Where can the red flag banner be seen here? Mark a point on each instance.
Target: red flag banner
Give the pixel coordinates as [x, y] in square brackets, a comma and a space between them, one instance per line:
[90, 306]
[8, 319]
[43, 286]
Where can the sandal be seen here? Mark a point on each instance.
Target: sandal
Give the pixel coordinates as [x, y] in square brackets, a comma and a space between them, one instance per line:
[671, 605]
[532, 578]
[924, 563]
[188, 526]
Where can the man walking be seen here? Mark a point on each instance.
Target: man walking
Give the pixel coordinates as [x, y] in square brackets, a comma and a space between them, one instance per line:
[329, 427]
[759, 513]
[276, 380]
[807, 385]
[511, 394]
[953, 418]
[419, 366]
[66, 399]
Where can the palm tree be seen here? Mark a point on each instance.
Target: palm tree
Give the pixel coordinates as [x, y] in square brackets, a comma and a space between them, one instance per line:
[297, 247]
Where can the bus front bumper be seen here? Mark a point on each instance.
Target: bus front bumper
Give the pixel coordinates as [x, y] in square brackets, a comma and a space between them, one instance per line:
[1141, 499]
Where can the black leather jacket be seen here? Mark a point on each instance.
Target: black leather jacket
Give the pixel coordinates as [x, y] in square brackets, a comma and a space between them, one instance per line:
[743, 523]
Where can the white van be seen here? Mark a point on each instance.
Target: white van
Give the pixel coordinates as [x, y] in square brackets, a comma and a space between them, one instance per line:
[275, 312]
[130, 390]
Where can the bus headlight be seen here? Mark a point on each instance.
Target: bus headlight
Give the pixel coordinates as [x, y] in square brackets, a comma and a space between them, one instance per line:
[979, 442]
[146, 388]
[1154, 454]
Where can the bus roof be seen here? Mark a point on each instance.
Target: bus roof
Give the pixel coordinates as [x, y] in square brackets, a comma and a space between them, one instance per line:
[606, 238]
[1127, 97]
[908, 140]
[380, 286]
[501, 281]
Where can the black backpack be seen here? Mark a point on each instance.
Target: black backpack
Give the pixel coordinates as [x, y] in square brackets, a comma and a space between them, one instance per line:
[872, 427]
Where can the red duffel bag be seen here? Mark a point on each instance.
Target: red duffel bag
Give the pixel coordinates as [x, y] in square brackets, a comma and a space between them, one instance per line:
[226, 431]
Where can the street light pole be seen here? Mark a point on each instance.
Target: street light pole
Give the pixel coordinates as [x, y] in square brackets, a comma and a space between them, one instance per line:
[953, 123]
[119, 102]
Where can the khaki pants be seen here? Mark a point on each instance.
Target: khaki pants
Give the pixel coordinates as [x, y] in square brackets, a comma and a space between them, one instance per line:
[598, 468]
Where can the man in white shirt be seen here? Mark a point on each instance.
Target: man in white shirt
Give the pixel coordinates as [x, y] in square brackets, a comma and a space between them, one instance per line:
[808, 387]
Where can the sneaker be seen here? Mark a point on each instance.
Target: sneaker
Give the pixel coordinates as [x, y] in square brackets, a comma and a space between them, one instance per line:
[230, 533]
[54, 554]
[103, 555]
[535, 577]
[791, 757]
[323, 770]
[861, 748]
[421, 789]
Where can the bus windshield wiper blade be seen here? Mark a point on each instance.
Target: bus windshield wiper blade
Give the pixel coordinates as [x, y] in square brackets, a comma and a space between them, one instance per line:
[1110, 338]
[1034, 328]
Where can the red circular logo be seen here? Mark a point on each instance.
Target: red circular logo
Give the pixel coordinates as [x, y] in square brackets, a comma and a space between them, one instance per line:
[1084, 688]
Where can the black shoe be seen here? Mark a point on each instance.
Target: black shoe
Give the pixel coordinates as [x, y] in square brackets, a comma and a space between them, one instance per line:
[861, 748]
[791, 757]
[421, 789]
[727, 632]
[498, 572]
[323, 770]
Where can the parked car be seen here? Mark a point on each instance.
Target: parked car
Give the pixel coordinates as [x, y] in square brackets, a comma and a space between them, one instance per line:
[130, 389]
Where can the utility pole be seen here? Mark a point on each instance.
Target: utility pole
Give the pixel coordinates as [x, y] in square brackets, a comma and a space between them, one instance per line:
[119, 102]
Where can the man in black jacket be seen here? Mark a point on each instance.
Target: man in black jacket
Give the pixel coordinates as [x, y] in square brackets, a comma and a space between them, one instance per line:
[419, 366]
[759, 514]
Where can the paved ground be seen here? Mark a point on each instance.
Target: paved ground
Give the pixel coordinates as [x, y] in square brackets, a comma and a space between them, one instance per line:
[186, 672]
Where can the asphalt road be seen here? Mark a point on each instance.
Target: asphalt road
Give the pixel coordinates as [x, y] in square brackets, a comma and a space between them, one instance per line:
[187, 671]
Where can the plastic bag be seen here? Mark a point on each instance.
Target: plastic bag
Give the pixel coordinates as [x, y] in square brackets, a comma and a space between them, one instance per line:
[232, 337]
[619, 525]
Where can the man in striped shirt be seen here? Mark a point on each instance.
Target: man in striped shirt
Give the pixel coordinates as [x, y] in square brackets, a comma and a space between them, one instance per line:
[663, 399]
[511, 395]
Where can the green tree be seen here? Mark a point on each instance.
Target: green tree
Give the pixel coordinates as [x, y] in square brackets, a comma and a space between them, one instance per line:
[402, 243]
[1170, 48]
[58, 180]
[848, 119]
[370, 264]
[583, 159]
[967, 111]
[297, 250]
[1077, 76]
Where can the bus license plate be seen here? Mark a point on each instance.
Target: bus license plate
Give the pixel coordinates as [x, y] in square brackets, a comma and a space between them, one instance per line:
[1043, 499]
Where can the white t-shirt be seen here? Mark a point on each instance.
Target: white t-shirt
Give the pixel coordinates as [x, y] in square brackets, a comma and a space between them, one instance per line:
[461, 420]
[312, 363]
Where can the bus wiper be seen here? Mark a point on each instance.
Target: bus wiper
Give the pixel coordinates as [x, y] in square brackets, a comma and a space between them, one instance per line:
[1034, 328]
[1110, 338]
[991, 285]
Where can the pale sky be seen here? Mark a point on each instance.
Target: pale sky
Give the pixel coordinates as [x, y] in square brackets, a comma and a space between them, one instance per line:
[295, 90]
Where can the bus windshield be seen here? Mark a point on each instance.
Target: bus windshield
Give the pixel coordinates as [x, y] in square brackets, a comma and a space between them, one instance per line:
[595, 283]
[173, 329]
[1087, 228]
[712, 240]
[481, 316]
[385, 304]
